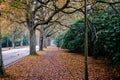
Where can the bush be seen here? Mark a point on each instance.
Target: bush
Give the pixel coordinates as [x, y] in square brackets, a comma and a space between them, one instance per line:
[108, 40]
[58, 40]
[74, 37]
[73, 41]
[107, 43]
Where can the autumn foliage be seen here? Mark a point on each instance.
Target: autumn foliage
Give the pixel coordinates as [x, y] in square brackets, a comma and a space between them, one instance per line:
[58, 64]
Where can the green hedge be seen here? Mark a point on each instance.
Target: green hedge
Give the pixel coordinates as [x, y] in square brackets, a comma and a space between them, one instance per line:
[107, 43]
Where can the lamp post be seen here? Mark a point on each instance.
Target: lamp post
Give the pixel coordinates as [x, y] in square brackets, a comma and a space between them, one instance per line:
[59, 31]
[86, 42]
[34, 3]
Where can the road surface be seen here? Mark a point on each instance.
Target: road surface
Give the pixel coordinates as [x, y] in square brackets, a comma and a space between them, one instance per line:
[13, 55]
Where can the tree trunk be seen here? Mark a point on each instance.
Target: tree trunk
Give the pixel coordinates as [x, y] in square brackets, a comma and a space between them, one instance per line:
[21, 42]
[48, 41]
[7, 41]
[2, 71]
[41, 40]
[32, 42]
[13, 37]
[45, 42]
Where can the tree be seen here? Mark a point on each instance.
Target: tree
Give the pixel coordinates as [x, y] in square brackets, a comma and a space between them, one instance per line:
[13, 36]
[2, 71]
[32, 7]
[31, 11]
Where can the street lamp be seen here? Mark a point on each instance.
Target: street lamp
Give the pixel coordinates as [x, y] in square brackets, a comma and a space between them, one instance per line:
[34, 3]
[86, 42]
[59, 31]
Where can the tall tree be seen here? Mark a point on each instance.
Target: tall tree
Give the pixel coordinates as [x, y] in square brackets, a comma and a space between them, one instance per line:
[2, 71]
[31, 8]
[13, 36]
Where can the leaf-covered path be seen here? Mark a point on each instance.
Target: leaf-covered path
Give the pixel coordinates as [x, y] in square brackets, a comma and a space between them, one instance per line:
[54, 64]
[52, 67]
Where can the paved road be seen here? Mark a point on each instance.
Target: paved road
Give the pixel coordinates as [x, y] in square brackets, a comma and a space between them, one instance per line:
[10, 56]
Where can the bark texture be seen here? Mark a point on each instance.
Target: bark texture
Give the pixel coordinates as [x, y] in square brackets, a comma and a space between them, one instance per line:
[13, 37]
[32, 42]
[45, 42]
[41, 40]
[2, 71]
[21, 42]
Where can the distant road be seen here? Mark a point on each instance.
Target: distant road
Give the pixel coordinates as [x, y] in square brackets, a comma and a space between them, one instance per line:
[13, 55]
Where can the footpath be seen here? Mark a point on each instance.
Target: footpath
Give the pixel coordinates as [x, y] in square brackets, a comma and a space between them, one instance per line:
[57, 64]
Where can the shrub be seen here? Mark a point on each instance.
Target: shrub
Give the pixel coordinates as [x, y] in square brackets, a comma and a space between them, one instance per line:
[108, 40]
[58, 40]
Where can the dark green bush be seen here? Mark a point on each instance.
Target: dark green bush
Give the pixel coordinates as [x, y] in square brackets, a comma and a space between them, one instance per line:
[108, 39]
[106, 44]
[58, 40]
[74, 37]
[73, 41]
